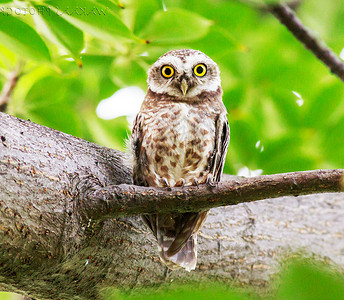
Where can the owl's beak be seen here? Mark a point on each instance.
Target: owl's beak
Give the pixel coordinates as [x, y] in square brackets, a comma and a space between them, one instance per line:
[184, 87]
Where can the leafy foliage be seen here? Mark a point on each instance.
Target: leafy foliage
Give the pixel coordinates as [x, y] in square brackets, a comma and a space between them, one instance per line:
[272, 128]
[300, 280]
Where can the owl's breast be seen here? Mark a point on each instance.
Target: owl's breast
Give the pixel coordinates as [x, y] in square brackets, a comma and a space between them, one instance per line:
[178, 141]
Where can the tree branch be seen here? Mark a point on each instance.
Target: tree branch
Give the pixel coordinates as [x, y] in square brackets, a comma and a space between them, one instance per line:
[9, 86]
[287, 17]
[99, 202]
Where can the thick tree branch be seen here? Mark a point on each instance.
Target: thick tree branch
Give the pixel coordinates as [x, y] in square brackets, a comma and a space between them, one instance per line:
[58, 240]
[287, 17]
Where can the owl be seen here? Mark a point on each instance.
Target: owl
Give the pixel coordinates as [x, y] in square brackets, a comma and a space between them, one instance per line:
[180, 138]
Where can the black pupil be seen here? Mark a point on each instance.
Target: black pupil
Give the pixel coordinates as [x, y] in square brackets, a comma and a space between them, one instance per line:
[199, 70]
[168, 71]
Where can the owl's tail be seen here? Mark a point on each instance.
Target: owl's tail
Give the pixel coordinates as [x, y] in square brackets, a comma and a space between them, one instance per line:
[185, 258]
[177, 237]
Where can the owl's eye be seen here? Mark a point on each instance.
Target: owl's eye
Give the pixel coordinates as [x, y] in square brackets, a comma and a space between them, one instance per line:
[200, 70]
[167, 71]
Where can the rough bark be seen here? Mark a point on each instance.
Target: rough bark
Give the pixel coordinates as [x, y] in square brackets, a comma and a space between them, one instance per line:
[53, 245]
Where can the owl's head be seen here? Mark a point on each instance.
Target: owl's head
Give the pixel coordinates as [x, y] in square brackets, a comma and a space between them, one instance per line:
[184, 74]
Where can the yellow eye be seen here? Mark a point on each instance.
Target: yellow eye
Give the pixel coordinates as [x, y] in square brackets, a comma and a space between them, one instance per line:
[167, 71]
[200, 70]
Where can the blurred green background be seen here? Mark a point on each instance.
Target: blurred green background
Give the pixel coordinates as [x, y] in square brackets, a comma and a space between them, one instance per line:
[285, 108]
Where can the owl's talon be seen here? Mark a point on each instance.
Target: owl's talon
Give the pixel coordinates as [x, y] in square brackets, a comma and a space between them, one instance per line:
[196, 182]
[210, 181]
[166, 182]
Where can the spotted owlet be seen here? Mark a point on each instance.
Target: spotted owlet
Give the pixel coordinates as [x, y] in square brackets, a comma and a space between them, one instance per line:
[179, 138]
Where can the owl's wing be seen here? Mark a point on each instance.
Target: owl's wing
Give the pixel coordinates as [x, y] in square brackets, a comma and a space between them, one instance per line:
[222, 136]
[137, 153]
[138, 162]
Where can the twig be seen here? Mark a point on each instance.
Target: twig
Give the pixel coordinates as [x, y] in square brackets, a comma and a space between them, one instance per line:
[9, 86]
[99, 202]
[287, 17]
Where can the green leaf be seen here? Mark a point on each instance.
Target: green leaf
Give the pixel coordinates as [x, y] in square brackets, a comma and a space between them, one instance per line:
[6, 295]
[215, 44]
[52, 101]
[274, 158]
[144, 11]
[95, 76]
[7, 59]
[244, 136]
[93, 18]
[113, 5]
[176, 26]
[59, 30]
[102, 131]
[128, 72]
[205, 291]
[306, 281]
[22, 39]
[333, 146]
[326, 105]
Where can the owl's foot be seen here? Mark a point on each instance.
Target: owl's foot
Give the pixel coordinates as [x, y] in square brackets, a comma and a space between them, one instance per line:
[210, 181]
[196, 182]
[180, 182]
[165, 182]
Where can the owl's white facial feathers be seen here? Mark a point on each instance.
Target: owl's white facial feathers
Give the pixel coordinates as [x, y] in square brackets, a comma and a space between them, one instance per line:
[183, 62]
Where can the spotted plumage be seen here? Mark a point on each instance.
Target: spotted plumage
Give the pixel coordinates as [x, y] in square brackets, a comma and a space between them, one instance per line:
[179, 138]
